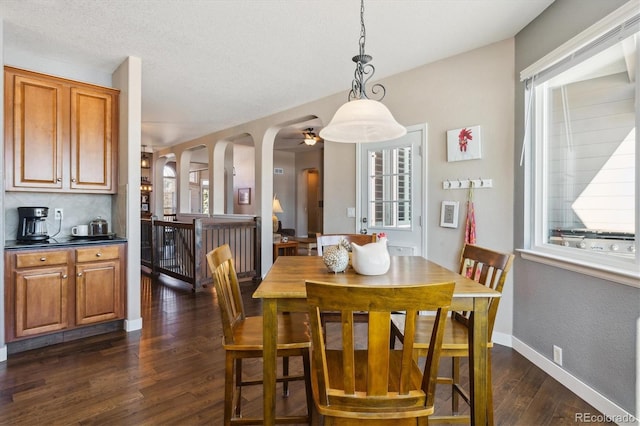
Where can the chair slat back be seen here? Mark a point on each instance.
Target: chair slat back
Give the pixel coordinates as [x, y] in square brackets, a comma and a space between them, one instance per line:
[227, 287]
[325, 240]
[364, 374]
[488, 267]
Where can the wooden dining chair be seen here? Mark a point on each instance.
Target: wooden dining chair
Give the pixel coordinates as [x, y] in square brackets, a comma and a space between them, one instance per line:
[359, 379]
[325, 240]
[242, 338]
[491, 269]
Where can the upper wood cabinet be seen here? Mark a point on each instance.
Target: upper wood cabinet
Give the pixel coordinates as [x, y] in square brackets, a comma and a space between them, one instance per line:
[60, 135]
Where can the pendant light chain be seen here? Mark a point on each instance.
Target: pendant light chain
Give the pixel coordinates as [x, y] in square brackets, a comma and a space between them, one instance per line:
[364, 70]
[362, 119]
[363, 31]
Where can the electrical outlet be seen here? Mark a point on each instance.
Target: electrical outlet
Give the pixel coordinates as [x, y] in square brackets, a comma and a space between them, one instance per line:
[557, 355]
[57, 214]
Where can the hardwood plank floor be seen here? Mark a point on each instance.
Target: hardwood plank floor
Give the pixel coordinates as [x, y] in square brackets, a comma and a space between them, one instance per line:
[172, 373]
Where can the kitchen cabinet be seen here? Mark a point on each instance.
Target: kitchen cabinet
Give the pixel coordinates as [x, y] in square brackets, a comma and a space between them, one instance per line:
[60, 135]
[41, 292]
[53, 290]
[98, 286]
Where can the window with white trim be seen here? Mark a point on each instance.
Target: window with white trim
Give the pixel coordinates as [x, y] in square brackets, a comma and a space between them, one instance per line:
[169, 201]
[582, 168]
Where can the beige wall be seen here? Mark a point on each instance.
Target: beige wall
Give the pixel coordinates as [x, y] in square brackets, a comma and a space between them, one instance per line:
[473, 88]
[243, 159]
[284, 187]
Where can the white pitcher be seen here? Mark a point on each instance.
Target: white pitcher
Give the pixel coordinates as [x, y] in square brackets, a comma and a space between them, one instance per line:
[372, 258]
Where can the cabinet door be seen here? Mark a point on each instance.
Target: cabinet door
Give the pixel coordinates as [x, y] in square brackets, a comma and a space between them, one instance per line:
[93, 140]
[35, 132]
[41, 297]
[98, 292]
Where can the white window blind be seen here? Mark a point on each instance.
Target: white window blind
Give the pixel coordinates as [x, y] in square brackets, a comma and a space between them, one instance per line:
[618, 25]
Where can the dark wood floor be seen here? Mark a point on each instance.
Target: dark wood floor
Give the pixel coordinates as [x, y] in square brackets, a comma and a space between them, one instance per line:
[172, 372]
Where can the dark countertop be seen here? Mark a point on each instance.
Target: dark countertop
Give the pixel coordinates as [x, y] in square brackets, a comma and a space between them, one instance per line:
[63, 241]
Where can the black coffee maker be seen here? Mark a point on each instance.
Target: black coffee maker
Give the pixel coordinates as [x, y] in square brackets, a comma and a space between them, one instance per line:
[33, 224]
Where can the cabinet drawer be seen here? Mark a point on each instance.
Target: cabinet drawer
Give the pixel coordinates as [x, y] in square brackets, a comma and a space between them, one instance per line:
[91, 254]
[45, 258]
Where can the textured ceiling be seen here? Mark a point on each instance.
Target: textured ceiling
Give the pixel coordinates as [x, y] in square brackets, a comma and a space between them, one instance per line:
[211, 64]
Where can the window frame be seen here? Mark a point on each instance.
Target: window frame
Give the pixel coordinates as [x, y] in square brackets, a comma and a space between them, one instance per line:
[536, 248]
[389, 181]
[169, 172]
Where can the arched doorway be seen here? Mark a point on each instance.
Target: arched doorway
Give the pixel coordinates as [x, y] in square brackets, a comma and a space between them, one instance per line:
[298, 155]
[169, 191]
[313, 202]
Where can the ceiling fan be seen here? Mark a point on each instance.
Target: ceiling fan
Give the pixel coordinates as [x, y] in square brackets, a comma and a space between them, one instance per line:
[310, 137]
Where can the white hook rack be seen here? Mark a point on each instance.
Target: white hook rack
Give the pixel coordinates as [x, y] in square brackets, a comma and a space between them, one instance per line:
[479, 183]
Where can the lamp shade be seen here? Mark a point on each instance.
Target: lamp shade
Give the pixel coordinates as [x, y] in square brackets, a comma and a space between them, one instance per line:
[362, 120]
[277, 208]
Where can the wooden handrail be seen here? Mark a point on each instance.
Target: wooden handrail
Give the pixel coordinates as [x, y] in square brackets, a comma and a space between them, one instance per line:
[178, 249]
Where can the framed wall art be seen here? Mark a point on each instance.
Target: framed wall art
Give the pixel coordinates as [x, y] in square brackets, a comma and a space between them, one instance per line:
[449, 214]
[244, 195]
[464, 144]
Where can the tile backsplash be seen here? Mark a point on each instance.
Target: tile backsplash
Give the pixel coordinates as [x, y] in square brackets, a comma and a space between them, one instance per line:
[77, 209]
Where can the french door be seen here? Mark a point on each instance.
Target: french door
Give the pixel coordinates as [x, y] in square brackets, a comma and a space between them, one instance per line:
[391, 191]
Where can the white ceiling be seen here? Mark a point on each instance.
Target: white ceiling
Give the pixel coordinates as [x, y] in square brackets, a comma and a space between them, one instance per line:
[211, 64]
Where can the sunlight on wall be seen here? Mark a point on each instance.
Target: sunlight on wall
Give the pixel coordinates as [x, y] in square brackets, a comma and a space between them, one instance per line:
[607, 201]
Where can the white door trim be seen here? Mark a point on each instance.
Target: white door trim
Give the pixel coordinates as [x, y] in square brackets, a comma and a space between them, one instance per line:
[423, 128]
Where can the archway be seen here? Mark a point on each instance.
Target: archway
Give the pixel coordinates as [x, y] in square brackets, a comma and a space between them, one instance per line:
[293, 161]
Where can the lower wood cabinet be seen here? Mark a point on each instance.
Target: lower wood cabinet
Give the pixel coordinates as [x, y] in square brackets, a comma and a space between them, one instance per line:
[98, 285]
[41, 300]
[42, 296]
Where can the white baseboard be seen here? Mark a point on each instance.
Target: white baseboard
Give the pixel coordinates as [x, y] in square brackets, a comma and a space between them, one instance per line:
[502, 339]
[3, 353]
[607, 407]
[132, 325]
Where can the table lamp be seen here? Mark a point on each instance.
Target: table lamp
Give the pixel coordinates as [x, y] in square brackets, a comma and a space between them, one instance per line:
[277, 208]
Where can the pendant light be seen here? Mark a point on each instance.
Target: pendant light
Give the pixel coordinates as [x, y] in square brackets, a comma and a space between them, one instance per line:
[362, 119]
[144, 158]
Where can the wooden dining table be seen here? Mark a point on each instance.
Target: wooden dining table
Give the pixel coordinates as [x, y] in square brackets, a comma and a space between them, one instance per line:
[283, 290]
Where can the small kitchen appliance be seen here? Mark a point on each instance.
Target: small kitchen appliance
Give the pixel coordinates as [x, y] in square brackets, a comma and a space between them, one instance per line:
[98, 227]
[32, 224]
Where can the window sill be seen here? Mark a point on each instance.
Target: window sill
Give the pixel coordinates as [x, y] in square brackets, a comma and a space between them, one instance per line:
[617, 275]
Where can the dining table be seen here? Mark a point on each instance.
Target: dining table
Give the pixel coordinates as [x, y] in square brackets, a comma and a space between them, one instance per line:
[283, 290]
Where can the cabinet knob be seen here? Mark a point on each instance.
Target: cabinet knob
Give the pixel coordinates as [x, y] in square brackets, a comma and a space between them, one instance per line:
[64, 277]
[79, 274]
[59, 180]
[98, 254]
[73, 179]
[42, 259]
